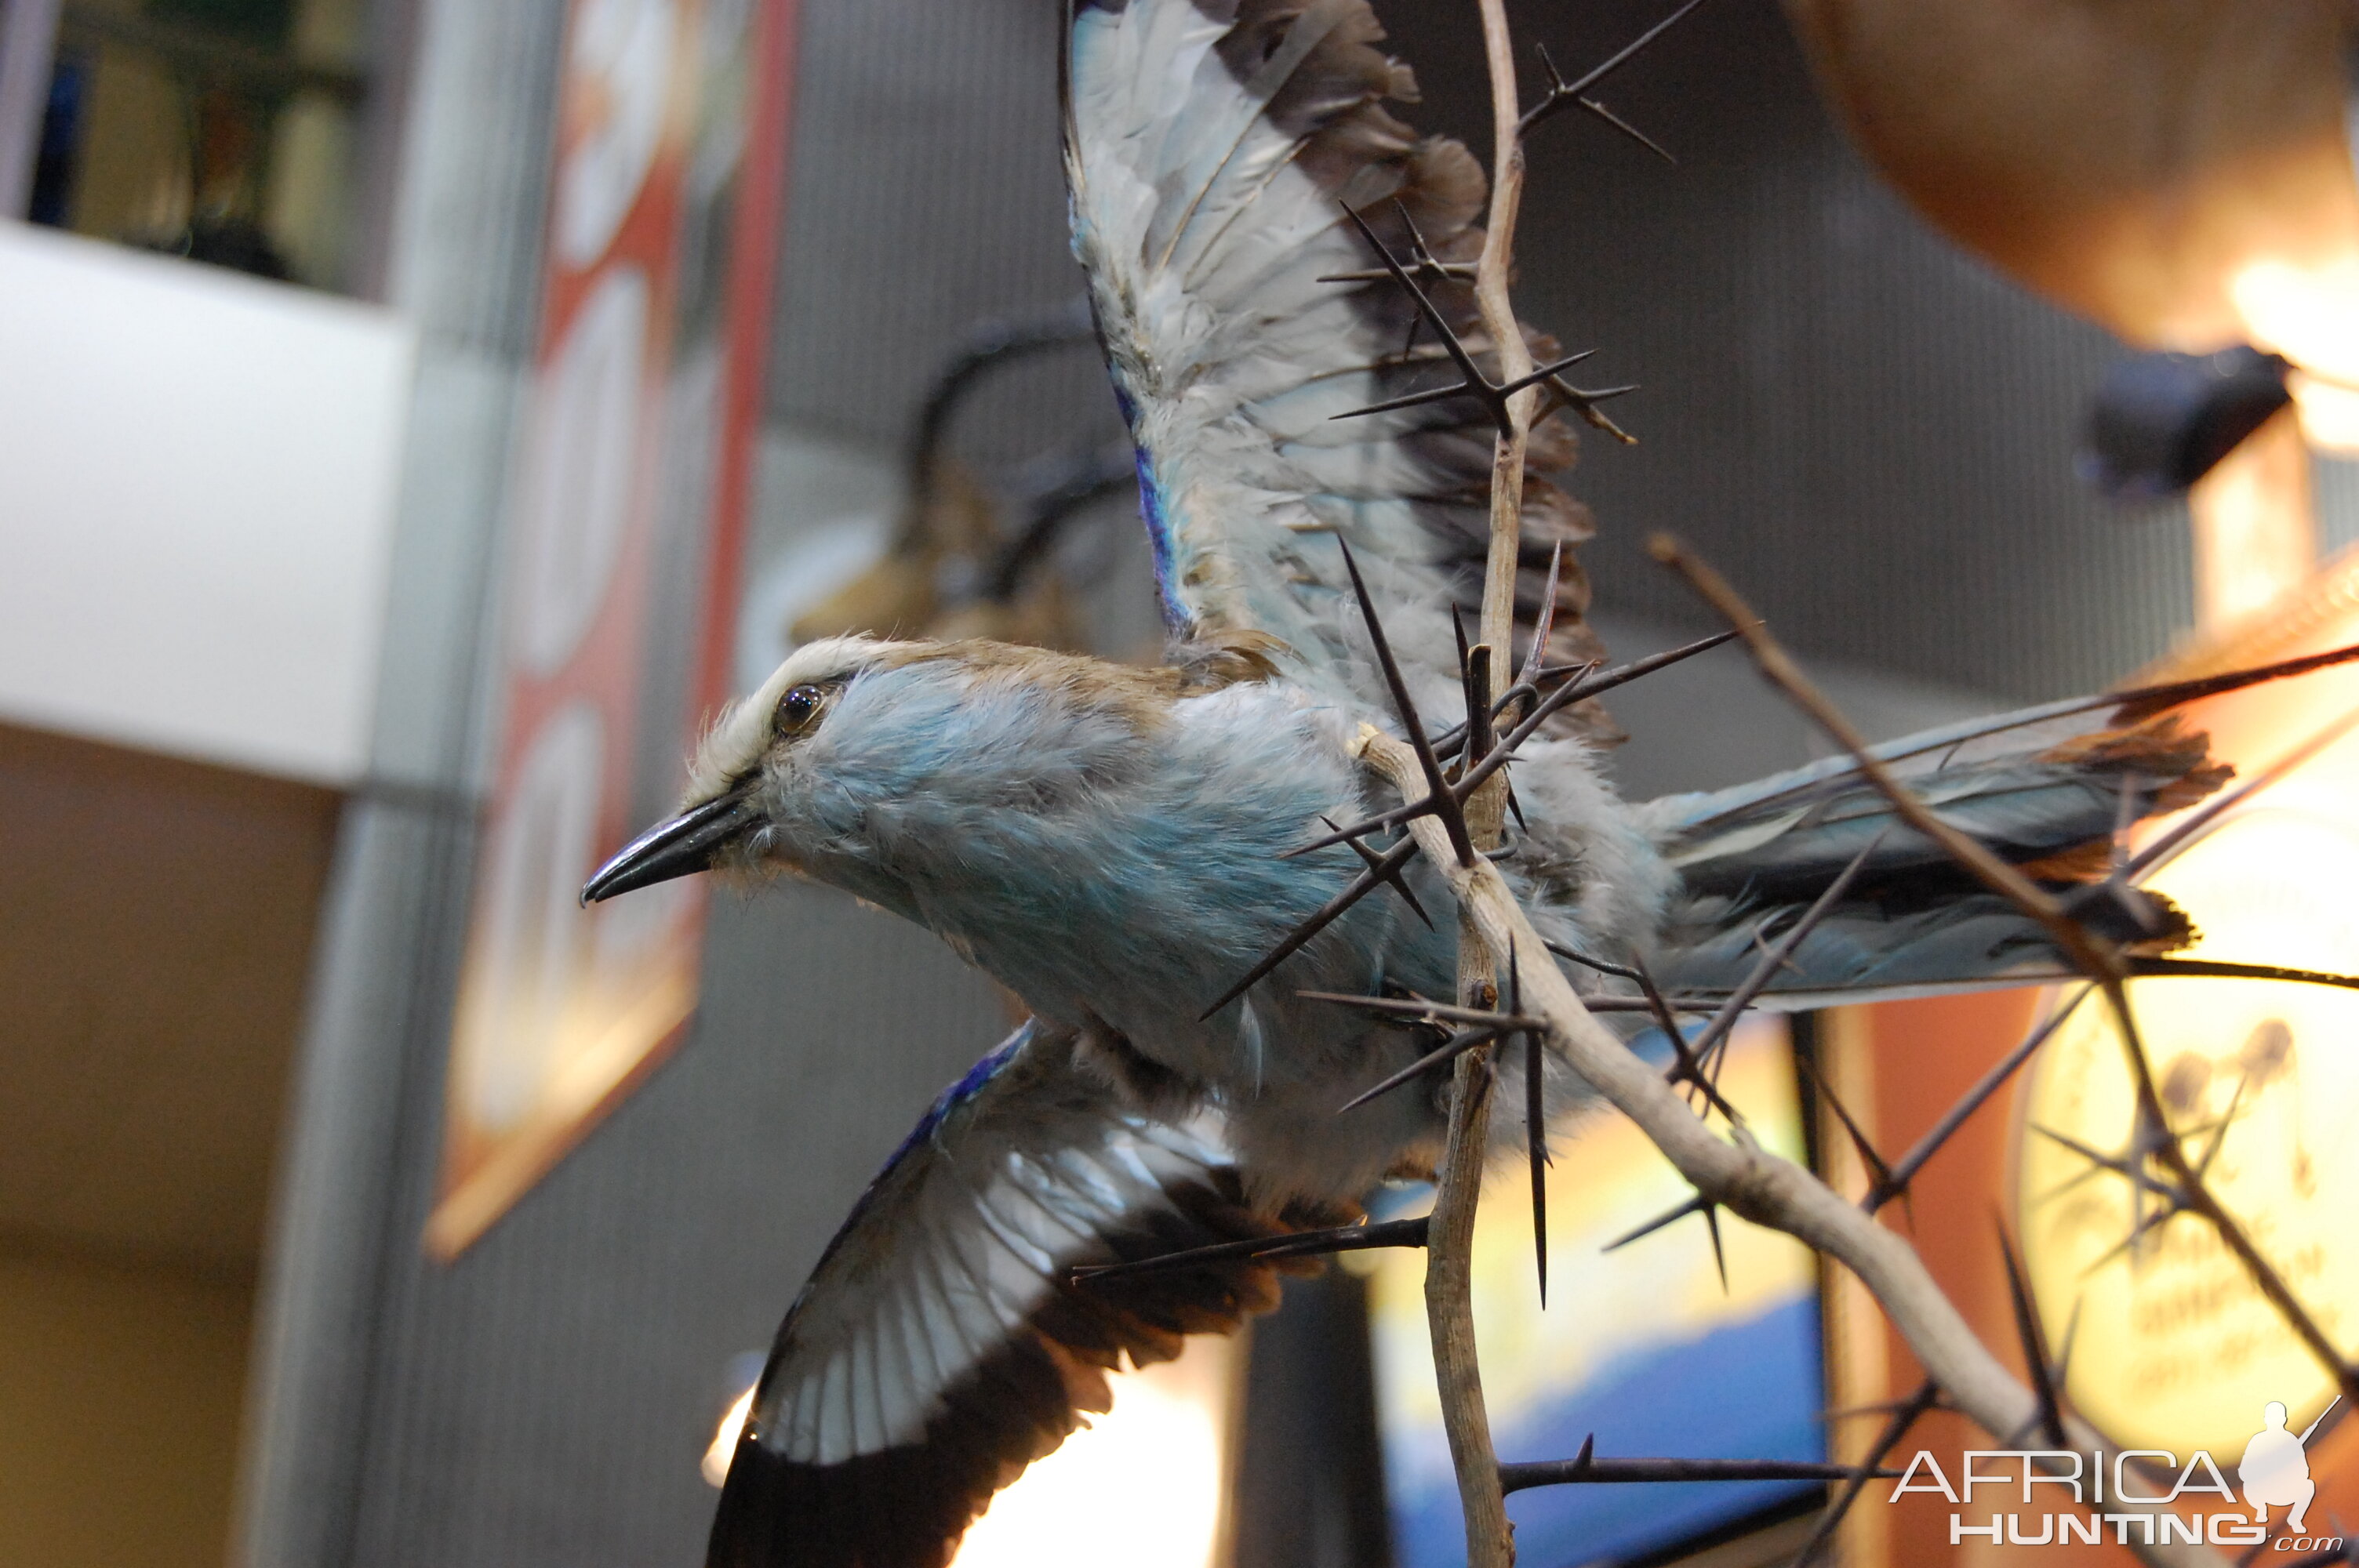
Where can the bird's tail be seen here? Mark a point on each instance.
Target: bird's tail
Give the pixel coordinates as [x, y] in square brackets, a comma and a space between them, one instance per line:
[2048, 789]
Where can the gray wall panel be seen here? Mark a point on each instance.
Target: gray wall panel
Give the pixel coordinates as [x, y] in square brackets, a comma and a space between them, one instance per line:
[927, 192]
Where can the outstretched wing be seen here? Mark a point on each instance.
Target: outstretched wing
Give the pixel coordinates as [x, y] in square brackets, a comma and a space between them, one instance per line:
[1212, 148]
[940, 1347]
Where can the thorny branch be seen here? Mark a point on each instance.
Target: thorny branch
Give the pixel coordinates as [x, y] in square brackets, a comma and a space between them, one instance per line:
[1457, 824]
[1736, 1171]
[1450, 1247]
[2102, 961]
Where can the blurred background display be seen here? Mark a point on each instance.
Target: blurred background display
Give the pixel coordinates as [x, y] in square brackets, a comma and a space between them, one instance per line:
[227, 131]
[1644, 1348]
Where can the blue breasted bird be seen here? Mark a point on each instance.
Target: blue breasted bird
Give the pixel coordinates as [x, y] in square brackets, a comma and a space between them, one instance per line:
[1110, 842]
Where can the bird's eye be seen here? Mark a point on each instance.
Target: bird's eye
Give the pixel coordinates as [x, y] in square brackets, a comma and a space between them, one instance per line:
[798, 707]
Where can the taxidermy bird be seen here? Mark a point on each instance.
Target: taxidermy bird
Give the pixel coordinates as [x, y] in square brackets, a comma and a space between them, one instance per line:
[1112, 843]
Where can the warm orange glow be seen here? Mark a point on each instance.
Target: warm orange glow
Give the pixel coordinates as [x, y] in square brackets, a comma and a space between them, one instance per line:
[2308, 313]
[724, 1438]
[2174, 1345]
[2330, 413]
[1143, 1483]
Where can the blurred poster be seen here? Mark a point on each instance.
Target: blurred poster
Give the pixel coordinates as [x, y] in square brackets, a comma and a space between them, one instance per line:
[625, 515]
[1643, 1347]
[2177, 1348]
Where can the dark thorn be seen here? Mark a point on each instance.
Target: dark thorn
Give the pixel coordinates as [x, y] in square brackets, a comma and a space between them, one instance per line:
[1535, 1124]
[1930, 1144]
[1570, 692]
[1470, 695]
[1327, 913]
[1396, 876]
[1416, 400]
[1696, 1205]
[1422, 261]
[1445, 804]
[2144, 702]
[1709, 1045]
[1424, 1011]
[1418, 1008]
[1585, 405]
[2034, 1339]
[1905, 1415]
[1433, 318]
[2064, 1350]
[2194, 968]
[1685, 1068]
[1514, 809]
[1859, 1141]
[1458, 1045]
[1382, 823]
[1551, 372]
[1588, 1469]
[1544, 627]
[1592, 106]
[2220, 1131]
[1495, 395]
[1719, 1258]
[2146, 1140]
[2170, 843]
[1479, 736]
[1300, 1244]
[1560, 91]
[1449, 272]
[1623, 674]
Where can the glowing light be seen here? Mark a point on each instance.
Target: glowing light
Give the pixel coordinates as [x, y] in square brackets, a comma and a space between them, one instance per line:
[1143, 1483]
[2330, 413]
[2310, 314]
[724, 1438]
[2176, 1348]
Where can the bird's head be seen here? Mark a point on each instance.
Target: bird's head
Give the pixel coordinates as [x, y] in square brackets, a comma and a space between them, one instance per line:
[743, 760]
[854, 740]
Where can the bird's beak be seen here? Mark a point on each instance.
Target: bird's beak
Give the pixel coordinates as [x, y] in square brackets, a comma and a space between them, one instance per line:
[685, 845]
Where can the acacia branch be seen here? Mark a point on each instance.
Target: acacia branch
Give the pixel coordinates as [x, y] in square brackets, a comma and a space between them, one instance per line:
[1506, 334]
[1737, 1171]
[1450, 1249]
[2102, 961]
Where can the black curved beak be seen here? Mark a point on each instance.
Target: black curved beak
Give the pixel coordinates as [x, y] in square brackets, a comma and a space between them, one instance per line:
[682, 846]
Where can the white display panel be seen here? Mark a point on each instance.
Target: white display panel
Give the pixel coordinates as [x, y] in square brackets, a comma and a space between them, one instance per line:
[198, 476]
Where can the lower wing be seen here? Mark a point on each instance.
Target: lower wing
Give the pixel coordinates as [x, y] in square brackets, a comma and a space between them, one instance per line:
[941, 1346]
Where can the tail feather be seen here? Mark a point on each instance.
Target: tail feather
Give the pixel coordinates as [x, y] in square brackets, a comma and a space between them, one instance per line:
[1752, 858]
